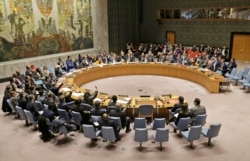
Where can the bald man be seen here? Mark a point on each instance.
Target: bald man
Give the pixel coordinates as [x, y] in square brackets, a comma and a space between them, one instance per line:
[107, 122]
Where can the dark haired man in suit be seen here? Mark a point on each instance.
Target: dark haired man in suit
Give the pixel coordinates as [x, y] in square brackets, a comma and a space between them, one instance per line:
[198, 109]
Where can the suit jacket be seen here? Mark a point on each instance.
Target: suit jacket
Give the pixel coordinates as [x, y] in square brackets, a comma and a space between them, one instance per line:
[176, 107]
[118, 113]
[181, 115]
[31, 106]
[90, 99]
[112, 124]
[197, 110]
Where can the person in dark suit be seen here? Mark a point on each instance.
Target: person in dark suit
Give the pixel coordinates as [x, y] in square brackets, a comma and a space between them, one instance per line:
[97, 111]
[184, 112]
[107, 122]
[85, 114]
[63, 105]
[124, 120]
[223, 67]
[22, 100]
[198, 109]
[178, 105]
[88, 98]
[31, 106]
[232, 64]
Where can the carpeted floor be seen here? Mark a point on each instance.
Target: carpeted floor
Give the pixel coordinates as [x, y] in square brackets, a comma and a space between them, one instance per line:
[20, 143]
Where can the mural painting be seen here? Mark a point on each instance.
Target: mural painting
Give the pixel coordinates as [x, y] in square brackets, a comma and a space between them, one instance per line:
[30, 28]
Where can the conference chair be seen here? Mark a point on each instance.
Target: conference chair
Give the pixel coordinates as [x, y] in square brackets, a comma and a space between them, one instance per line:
[238, 77]
[158, 123]
[108, 134]
[200, 120]
[232, 73]
[146, 111]
[247, 86]
[77, 118]
[181, 125]
[89, 131]
[117, 120]
[110, 108]
[193, 134]
[246, 80]
[86, 107]
[245, 72]
[45, 106]
[141, 135]
[140, 123]
[63, 130]
[22, 114]
[39, 105]
[13, 108]
[63, 114]
[71, 104]
[96, 118]
[211, 132]
[161, 135]
[30, 118]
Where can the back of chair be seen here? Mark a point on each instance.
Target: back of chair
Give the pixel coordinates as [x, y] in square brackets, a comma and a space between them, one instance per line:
[39, 105]
[145, 110]
[239, 75]
[200, 119]
[86, 107]
[117, 120]
[108, 133]
[29, 116]
[141, 135]
[214, 130]
[245, 71]
[183, 123]
[96, 118]
[89, 131]
[158, 123]
[63, 114]
[11, 105]
[233, 72]
[21, 112]
[77, 117]
[194, 133]
[139, 123]
[161, 135]
[71, 104]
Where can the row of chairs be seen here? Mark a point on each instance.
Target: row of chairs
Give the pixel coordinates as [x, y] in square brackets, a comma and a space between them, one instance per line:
[161, 134]
[241, 76]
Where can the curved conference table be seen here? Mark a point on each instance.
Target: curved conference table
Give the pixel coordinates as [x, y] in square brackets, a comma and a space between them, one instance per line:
[210, 80]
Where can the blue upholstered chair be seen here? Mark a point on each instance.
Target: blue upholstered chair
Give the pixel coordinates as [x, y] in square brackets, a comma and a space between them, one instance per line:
[141, 135]
[108, 134]
[146, 111]
[161, 135]
[22, 114]
[63, 114]
[30, 118]
[193, 134]
[89, 131]
[158, 123]
[200, 120]
[238, 77]
[117, 120]
[139, 123]
[211, 132]
[77, 119]
[181, 125]
[13, 108]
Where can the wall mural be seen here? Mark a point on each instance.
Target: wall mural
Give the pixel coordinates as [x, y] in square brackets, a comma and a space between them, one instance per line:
[30, 28]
